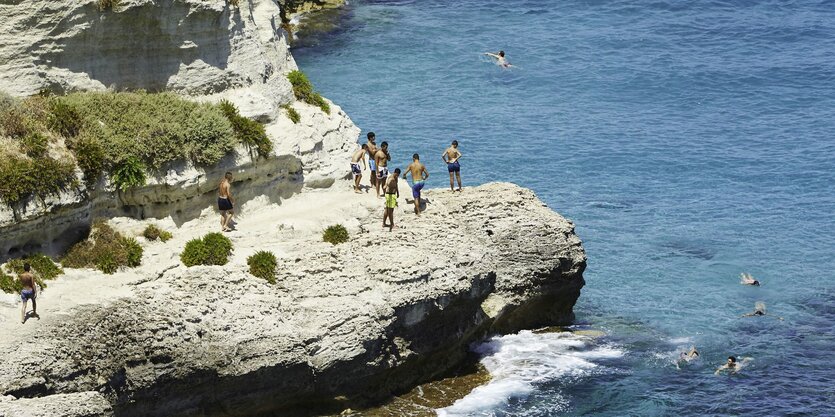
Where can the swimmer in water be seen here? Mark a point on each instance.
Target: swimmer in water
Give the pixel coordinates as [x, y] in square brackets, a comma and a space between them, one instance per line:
[500, 59]
[759, 310]
[746, 279]
[731, 366]
[687, 357]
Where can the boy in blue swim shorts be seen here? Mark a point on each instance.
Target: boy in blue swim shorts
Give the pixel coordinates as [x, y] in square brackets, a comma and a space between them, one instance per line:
[451, 157]
[419, 176]
[27, 281]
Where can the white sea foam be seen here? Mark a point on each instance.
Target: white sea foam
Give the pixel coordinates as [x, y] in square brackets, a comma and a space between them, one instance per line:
[518, 363]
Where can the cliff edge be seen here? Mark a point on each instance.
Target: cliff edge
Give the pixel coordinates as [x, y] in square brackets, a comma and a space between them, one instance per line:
[344, 324]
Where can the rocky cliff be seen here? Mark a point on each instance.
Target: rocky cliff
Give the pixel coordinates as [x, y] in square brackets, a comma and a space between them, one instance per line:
[204, 49]
[345, 323]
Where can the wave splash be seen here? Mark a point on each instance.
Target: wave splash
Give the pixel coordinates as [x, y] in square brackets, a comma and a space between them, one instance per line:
[520, 362]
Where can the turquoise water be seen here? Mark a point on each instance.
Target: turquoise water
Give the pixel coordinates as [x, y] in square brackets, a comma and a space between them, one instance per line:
[689, 142]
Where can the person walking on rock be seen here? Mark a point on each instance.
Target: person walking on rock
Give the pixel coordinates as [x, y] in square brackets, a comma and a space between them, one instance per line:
[392, 194]
[451, 157]
[419, 176]
[371, 148]
[381, 158]
[357, 166]
[29, 292]
[225, 202]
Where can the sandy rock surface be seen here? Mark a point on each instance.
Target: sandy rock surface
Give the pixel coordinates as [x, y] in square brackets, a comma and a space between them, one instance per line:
[361, 319]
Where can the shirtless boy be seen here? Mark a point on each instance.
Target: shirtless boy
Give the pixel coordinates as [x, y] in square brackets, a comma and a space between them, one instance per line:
[27, 280]
[419, 175]
[381, 159]
[392, 194]
[371, 148]
[500, 59]
[225, 202]
[451, 157]
[357, 166]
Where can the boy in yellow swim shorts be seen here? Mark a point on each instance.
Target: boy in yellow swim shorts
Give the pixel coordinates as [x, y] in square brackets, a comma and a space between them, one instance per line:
[392, 194]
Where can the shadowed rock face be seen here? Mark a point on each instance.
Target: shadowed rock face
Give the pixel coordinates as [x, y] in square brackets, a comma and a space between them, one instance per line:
[340, 322]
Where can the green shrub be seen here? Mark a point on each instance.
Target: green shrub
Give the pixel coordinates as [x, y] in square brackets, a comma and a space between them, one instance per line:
[247, 131]
[34, 144]
[105, 249]
[42, 266]
[9, 284]
[155, 128]
[89, 156]
[335, 234]
[212, 249]
[294, 116]
[262, 265]
[152, 232]
[64, 119]
[303, 90]
[25, 177]
[130, 173]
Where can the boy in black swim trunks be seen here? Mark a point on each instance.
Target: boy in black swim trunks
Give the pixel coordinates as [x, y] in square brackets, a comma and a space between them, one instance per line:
[225, 202]
[27, 281]
[451, 157]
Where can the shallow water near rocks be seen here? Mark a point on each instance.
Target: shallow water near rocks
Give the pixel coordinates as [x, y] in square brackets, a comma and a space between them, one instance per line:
[689, 142]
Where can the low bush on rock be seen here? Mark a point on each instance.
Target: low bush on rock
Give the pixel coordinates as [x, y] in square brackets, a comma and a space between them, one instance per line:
[212, 249]
[303, 90]
[292, 114]
[152, 232]
[247, 131]
[130, 173]
[42, 267]
[262, 264]
[105, 249]
[335, 234]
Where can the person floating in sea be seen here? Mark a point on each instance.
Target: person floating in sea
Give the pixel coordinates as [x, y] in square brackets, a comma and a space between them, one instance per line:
[372, 165]
[419, 176]
[732, 366]
[451, 157]
[29, 292]
[225, 202]
[358, 165]
[687, 357]
[500, 59]
[381, 159]
[392, 194]
[759, 310]
[746, 279]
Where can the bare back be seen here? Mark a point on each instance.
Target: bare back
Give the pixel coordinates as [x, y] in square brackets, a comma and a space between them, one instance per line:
[223, 190]
[452, 154]
[27, 280]
[358, 155]
[416, 169]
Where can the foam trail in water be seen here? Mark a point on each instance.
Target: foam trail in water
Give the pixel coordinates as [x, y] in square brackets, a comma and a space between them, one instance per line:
[517, 363]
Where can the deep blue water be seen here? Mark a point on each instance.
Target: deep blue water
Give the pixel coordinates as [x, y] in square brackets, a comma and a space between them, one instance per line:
[689, 142]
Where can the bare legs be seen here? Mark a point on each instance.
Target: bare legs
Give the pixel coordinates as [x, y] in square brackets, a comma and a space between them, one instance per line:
[452, 177]
[23, 310]
[388, 213]
[417, 206]
[357, 184]
[225, 218]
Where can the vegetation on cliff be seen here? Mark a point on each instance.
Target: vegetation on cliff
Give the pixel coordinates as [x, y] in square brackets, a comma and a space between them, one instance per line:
[105, 249]
[42, 267]
[212, 249]
[153, 232]
[124, 135]
[303, 90]
[262, 264]
[335, 234]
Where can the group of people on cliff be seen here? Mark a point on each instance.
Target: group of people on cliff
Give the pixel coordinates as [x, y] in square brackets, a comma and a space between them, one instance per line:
[381, 179]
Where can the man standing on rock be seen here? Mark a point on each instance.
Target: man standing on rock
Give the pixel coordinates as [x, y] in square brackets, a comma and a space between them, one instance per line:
[371, 148]
[356, 169]
[225, 202]
[27, 281]
[451, 157]
[419, 175]
[381, 158]
[392, 194]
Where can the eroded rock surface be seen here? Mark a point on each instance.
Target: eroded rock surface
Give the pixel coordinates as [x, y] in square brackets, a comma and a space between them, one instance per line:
[204, 49]
[360, 320]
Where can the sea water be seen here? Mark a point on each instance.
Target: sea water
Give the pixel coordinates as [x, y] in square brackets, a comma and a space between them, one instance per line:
[690, 141]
